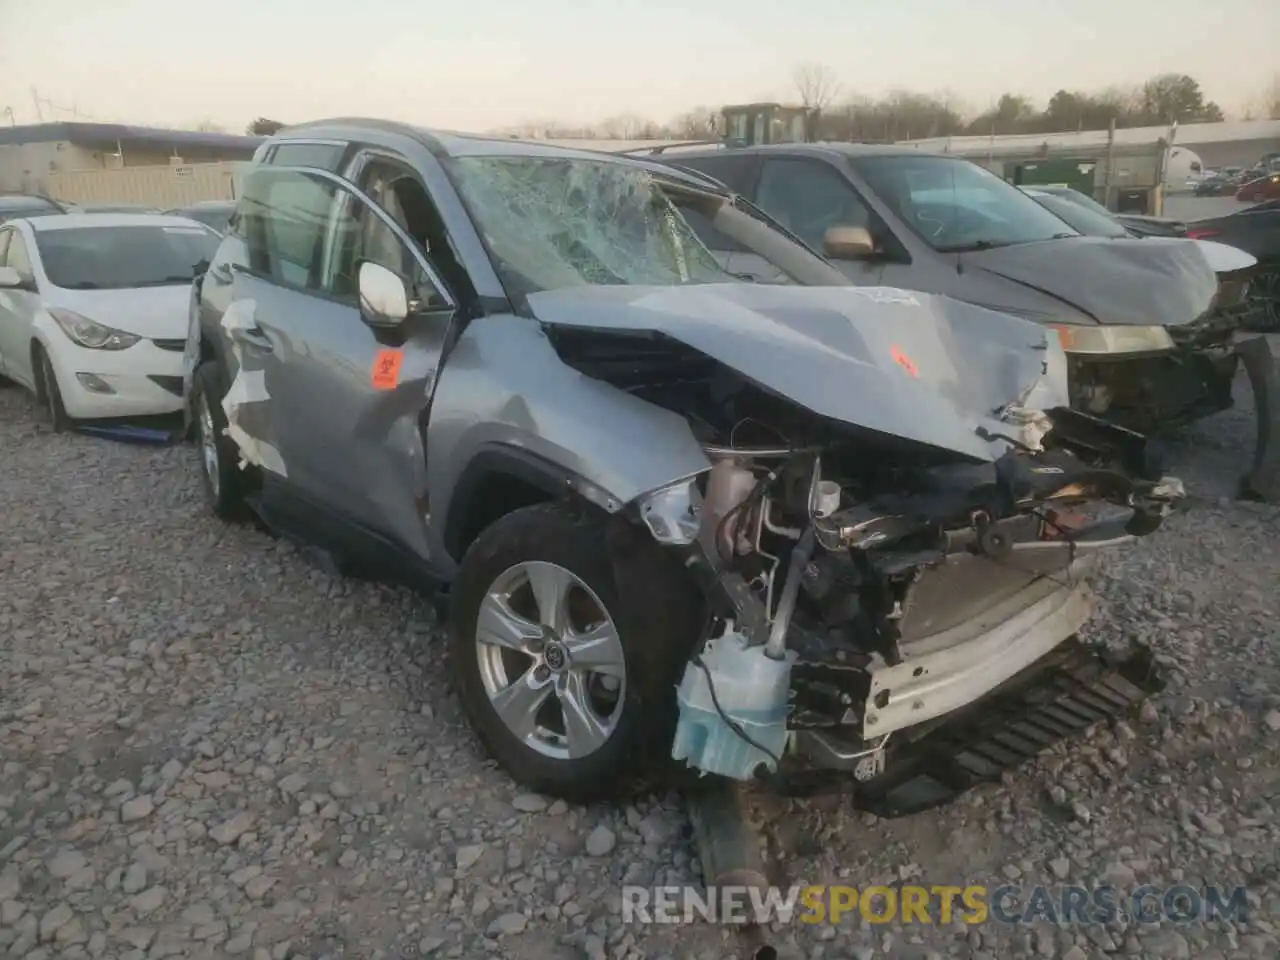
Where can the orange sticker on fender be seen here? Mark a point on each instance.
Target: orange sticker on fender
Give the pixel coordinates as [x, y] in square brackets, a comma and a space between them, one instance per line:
[905, 362]
[386, 369]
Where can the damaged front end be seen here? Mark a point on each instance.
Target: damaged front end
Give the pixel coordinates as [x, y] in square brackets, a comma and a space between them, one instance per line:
[1152, 379]
[865, 589]
[856, 602]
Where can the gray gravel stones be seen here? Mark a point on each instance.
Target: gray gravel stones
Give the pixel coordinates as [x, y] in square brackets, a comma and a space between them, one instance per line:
[298, 802]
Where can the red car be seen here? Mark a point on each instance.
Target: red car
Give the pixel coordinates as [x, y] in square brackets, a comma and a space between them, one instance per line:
[1263, 188]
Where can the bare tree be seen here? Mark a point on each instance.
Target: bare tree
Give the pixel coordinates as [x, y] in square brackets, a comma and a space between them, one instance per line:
[208, 126]
[815, 83]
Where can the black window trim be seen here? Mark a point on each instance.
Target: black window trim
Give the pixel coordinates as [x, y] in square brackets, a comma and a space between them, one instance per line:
[343, 185]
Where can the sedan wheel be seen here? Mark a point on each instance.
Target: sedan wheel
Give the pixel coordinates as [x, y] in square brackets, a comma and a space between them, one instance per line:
[551, 660]
[52, 395]
[209, 447]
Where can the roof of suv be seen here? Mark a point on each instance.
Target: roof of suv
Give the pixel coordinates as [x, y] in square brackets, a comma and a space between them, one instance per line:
[447, 143]
[815, 149]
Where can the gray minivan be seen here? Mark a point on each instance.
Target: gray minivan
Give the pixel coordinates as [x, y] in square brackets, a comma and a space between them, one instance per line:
[1147, 345]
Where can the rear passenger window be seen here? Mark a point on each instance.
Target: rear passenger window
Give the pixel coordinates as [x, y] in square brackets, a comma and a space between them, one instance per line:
[283, 217]
[322, 156]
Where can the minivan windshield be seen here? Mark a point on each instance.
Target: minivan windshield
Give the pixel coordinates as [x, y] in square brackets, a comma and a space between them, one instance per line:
[121, 257]
[956, 205]
[555, 222]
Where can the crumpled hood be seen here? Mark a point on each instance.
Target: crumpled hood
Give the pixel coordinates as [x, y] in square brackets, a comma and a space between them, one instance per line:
[1155, 281]
[925, 368]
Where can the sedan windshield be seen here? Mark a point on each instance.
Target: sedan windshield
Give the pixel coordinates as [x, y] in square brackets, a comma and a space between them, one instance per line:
[554, 222]
[120, 257]
[1080, 216]
[956, 205]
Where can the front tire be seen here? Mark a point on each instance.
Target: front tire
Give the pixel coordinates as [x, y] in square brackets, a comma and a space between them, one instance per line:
[47, 391]
[225, 484]
[567, 676]
[1265, 297]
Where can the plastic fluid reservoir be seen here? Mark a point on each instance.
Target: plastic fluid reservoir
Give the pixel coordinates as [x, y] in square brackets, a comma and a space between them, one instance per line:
[752, 690]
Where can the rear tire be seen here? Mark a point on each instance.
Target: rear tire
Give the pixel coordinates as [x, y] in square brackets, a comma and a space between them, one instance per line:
[47, 391]
[225, 484]
[544, 558]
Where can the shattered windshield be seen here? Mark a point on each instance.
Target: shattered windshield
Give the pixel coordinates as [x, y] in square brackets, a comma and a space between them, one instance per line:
[555, 222]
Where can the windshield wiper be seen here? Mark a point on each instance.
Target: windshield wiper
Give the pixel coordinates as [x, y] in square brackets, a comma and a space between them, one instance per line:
[81, 285]
[973, 247]
[166, 281]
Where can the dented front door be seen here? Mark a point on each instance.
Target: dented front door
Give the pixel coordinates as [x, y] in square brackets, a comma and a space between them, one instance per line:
[342, 401]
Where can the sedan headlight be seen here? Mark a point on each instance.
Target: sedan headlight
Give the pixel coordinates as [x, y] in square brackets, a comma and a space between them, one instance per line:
[89, 333]
[1113, 340]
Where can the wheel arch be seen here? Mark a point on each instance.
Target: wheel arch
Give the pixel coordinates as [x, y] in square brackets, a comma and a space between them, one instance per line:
[500, 479]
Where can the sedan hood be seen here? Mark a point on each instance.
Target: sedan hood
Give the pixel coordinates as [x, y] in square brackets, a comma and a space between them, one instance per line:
[156, 313]
[924, 368]
[1150, 282]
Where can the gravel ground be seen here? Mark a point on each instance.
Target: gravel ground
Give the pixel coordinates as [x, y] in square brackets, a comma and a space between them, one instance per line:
[210, 748]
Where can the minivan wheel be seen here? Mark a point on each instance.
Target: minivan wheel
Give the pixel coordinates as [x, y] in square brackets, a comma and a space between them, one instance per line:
[220, 474]
[567, 676]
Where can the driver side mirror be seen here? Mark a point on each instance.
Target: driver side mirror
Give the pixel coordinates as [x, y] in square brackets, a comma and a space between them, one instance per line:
[11, 279]
[848, 243]
[384, 296]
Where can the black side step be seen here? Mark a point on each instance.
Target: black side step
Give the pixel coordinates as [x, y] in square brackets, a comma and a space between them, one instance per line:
[1061, 696]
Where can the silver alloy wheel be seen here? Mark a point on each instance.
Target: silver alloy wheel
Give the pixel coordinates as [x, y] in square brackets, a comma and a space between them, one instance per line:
[209, 445]
[551, 660]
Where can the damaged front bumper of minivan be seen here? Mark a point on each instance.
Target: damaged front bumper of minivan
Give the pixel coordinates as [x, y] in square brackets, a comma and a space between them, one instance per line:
[1177, 376]
[850, 631]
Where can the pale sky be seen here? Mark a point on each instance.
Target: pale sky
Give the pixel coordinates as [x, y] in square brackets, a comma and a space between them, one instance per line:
[480, 64]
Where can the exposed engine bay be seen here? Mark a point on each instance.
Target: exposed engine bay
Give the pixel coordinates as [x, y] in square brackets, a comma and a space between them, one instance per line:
[855, 576]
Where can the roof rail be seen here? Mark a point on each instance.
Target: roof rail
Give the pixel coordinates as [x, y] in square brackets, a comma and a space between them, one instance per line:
[663, 147]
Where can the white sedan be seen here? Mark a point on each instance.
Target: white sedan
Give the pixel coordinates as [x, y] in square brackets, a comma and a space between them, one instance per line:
[93, 310]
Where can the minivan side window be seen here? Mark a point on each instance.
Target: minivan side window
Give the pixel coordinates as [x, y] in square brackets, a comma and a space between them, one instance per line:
[283, 217]
[809, 197]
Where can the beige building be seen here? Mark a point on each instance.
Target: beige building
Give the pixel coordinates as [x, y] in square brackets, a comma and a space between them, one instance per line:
[45, 158]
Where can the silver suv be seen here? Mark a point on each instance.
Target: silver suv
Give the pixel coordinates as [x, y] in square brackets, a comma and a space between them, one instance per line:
[754, 526]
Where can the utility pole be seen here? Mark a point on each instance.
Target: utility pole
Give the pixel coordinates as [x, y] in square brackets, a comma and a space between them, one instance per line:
[1108, 178]
[35, 98]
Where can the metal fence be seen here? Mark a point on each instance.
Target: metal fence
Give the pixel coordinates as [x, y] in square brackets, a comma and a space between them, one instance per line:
[163, 187]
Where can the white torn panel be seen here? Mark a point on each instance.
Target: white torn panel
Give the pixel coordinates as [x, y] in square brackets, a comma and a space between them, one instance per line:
[249, 386]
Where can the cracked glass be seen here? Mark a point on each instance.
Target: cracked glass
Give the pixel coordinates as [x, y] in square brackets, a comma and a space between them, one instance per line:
[552, 223]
